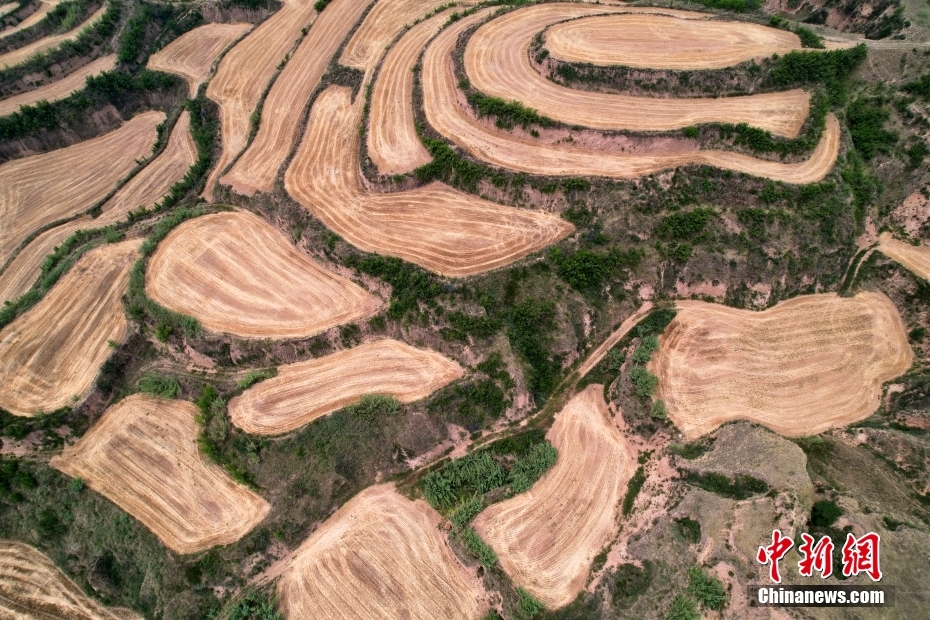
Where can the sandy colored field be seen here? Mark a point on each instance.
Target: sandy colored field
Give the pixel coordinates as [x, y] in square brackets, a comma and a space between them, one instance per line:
[244, 73]
[435, 226]
[51, 354]
[33, 588]
[804, 366]
[34, 18]
[305, 391]
[547, 537]
[913, 257]
[661, 42]
[256, 170]
[523, 153]
[142, 455]
[34, 192]
[193, 53]
[380, 556]
[60, 89]
[8, 8]
[497, 63]
[393, 144]
[144, 189]
[22, 54]
[237, 274]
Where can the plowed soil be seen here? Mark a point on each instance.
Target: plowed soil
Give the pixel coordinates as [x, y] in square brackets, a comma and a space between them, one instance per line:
[305, 391]
[806, 365]
[497, 63]
[237, 274]
[22, 54]
[143, 190]
[546, 538]
[661, 42]
[50, 355]
[244, 73]
[256, 170]
[193, 53]
[380, 556]
[525, 154]
[59, 89]
[32, 587]
[142, 455]
[35, 193]
[393, 144]
[441, 229]
[913, 257]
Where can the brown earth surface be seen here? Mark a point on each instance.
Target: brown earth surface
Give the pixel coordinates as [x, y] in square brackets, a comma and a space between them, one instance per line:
[34, 192]
[58, 89]
[193, 53]
[806, 365]
[22, 54]
[33, 588]
[448, 114]
[142, 455]
[393, 143]
[547, 538]
[662, 42]
[256, 170]
[8, 8]
[237, 274]
[435, 226]
[305, 391]
[143, 190]
[32, 19]
[498, 64]
[380, 556]
[913, 257]
[244, 73]
[50, 355]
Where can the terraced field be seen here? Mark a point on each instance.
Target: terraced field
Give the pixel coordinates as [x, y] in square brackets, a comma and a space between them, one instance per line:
[193, 53]
[142, 455]
[806, 365]
[22, 54]
[305, 391]
[34, 18]
[60, 88]
[913, 257]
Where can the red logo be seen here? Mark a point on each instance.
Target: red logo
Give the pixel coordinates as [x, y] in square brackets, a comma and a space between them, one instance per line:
[860, 555]
[773, 553]
[817, 557]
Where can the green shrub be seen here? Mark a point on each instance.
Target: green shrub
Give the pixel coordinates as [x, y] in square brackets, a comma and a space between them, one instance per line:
[690, 131]
[659, 410]
[685, 225]
[254, 376]
[254, 605]
[467, 510]
[630, 581]
[824, 513]
[132, 41]
[654, 323]
[476, 473]
[645, 381]
[319, 5]
[809, 38]
[410, 285]
[707, 589]
[507, 113]
[527, 470]
[159, 385]
[478, 548]
[690, 529]
[587, 270]
[682, 608]
[866, 119]
[919, 87]
[633, 487]
[528, 606]
[741, 487]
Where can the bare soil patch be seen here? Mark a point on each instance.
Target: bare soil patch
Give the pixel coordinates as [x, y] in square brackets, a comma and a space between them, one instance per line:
[305, 391]
[662, 42]
[193, 53]
[142, 455]
[237, 274]
[547, 537]
[913, 257]
[379, 556]
[50, 355]
[804, 366]
[21, 54]
[35, 193]
[59, 89]
[31, 586]
[498, 64]
[435, 226]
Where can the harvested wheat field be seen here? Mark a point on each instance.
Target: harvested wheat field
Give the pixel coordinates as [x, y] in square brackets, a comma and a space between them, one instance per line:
[25, 268]
[142, 455]
[50, 355]
[31, 20]
[59, 89]
[806, 365]
[525, 154]
[913, 257]
[22, 54]
[498, 64]
[305, 391]
[380, 556]
[32, 587]
[256, 170]
[34, 193]
[193, 53]
[662, 42]
[244, 73]
[547, 537]
[393, 144]
[237, 274]
[435, 226]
